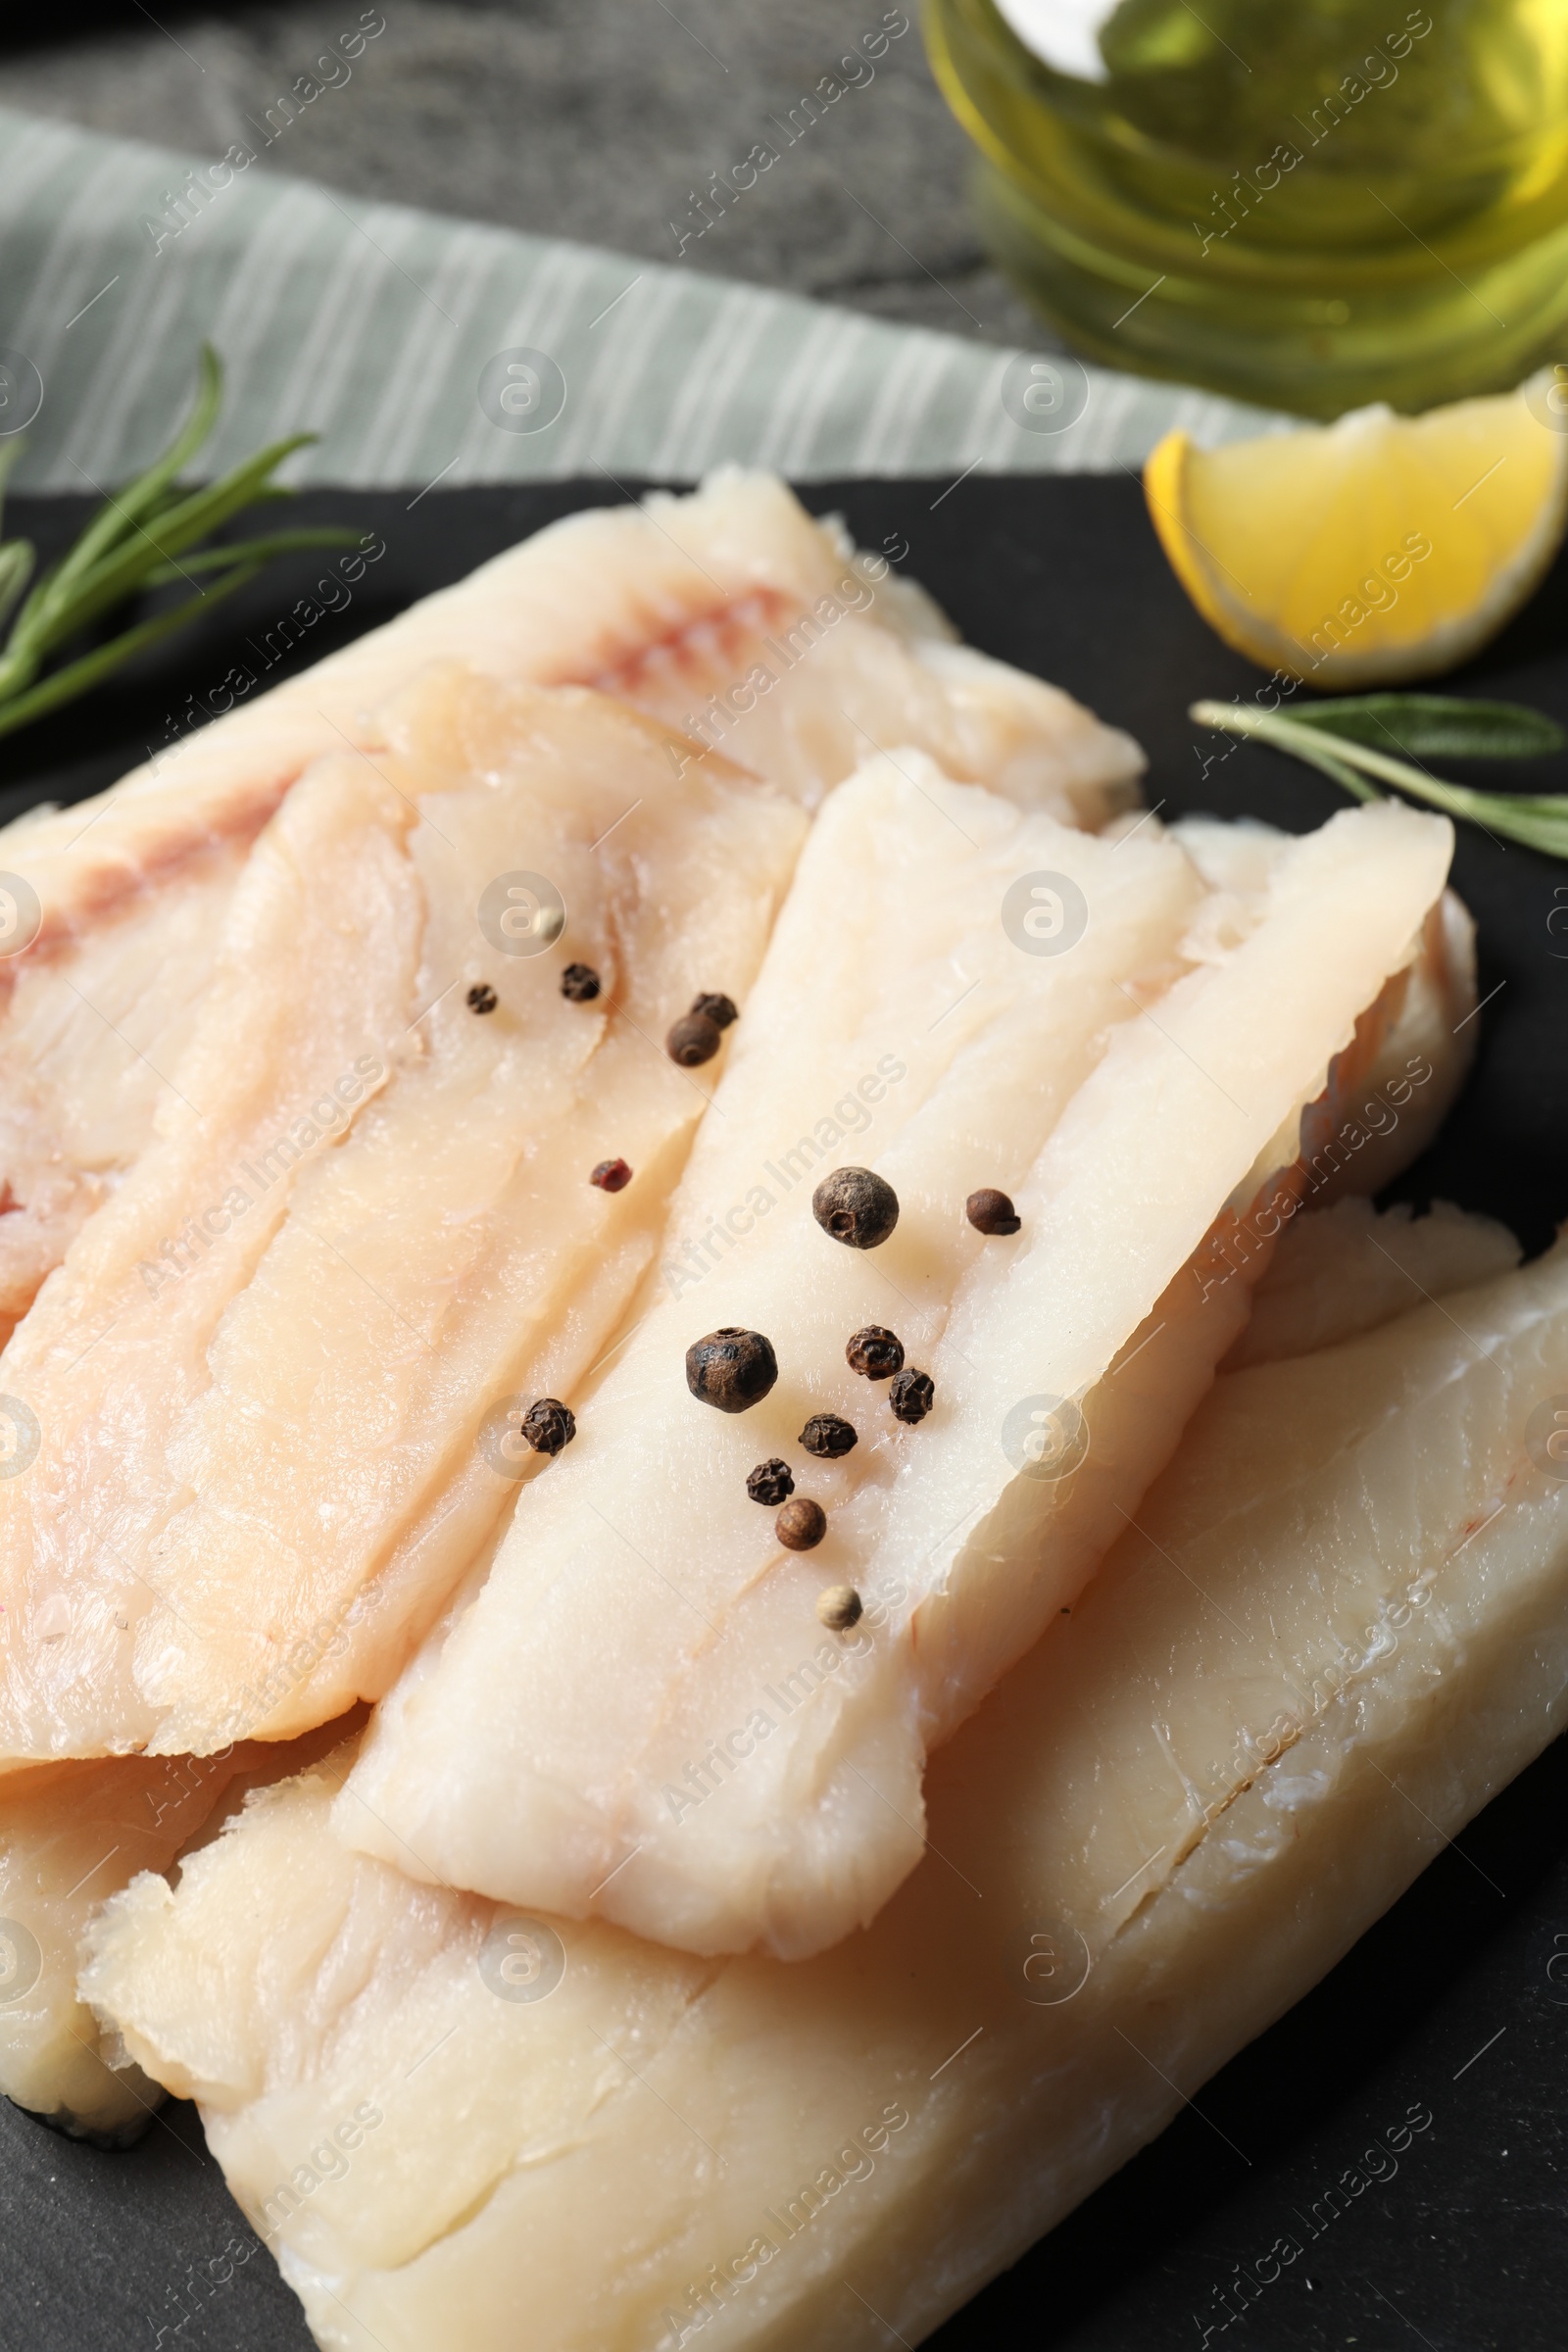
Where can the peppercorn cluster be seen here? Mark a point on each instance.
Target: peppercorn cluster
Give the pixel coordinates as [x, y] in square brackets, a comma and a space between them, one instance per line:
[733, 1369]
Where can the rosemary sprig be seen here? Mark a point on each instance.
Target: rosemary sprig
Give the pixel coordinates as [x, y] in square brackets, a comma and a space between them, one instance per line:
[1436, 726]
[144, 536]
[1418, 723]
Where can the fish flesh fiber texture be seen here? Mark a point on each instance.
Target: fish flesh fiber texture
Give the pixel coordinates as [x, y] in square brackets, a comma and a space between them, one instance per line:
[262, 1376]
[69, 1836]
[258, 1484]
[97, 1824]
[1424, 1013]
[673, 608]
[135, 894]
[1336, 1629]
[1348, 1269]
[1179, 1068]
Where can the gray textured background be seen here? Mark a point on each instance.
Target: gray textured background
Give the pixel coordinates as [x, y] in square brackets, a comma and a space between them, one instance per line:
[587, 119]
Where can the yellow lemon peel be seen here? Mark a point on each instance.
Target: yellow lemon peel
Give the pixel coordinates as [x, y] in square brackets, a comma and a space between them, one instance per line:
[1374, 551]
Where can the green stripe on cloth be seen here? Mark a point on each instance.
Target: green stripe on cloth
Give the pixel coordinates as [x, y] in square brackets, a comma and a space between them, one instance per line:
[370, 324]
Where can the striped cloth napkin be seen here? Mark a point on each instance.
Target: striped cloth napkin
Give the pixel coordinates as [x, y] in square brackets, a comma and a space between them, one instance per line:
[425, 350]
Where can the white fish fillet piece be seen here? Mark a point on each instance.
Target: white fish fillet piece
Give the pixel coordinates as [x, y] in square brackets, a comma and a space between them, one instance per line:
[89, 1036]
[1427, 1017]
[70, 1834]
[261, 1464]
[641, 1568]
[1429, 1024]
[1343, 1628]
[761, 632]
[98, 1823]
[671, 608]
[1346, 1269]
[661, 604]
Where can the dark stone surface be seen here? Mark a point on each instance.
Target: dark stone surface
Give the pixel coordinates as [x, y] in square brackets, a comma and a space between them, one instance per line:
[1456, 2002]
[587, 119]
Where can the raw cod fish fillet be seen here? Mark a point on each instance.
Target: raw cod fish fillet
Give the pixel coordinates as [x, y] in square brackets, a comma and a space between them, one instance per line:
[673, 608]
[1347, 1269]
[91, 1027]
[130, 1814]
[1425, 1014]
[70, 1834]
[1127, 1092]
[1341, 1626]
[811, 655]
[261, 1379]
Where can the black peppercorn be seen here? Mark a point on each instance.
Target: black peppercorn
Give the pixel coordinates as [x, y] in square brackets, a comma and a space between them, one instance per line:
[721, 1011]
[579, 983]
[839, 1607]
[800, 1525]
[857, 1207]
[911, 1397]
[990, 1211]
[828, 1436]
[732, 1369]
[771, 1482]
[548, 1425]
[694, 1039]
[875, 1353]
[611, 1176]
[482, 998]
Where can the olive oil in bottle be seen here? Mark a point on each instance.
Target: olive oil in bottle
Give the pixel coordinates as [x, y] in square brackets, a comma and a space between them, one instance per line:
[1306, 203]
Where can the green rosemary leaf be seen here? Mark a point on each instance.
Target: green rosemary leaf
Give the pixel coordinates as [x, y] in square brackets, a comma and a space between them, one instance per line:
[70, 601]
[122, 512]
[1436, 726]
[1346, 778]
[1537, 821]
[201, 511]
[144, 536]
[63, 685]
[1543, 828]
[282, 543]
[16, 560]
[10, 452]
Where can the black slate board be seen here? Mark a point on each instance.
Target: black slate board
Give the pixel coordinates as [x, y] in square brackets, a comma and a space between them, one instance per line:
[1457, 2002]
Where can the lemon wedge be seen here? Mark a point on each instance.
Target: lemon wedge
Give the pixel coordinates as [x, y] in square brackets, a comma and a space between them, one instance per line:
[1376, 550]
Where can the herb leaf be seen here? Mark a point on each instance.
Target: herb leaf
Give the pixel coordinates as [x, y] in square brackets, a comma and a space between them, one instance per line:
[1537, 821]
[253, 551]
[137, 540]
[16, 560]
[19, 710]
[1436, 726]
[1321, 758]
